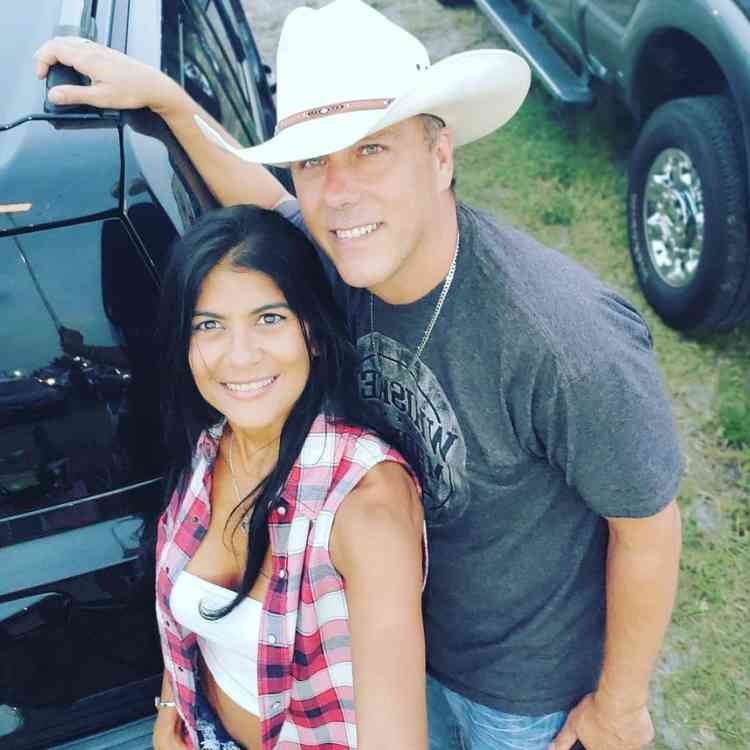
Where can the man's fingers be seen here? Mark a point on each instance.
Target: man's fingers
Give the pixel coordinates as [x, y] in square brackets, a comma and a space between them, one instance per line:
[566, 738]
[66, 50]
[74, 95]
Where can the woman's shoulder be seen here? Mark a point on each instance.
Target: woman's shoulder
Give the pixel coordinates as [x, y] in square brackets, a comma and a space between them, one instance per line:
[384, 506]
[359, 444]
[366, 465]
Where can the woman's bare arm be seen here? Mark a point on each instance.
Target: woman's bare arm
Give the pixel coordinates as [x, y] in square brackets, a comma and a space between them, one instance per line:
[121, 82]
[168, 726]
[376, 545]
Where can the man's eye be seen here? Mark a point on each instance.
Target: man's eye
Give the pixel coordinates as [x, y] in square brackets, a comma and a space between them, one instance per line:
[206, 325]
[270, 319]
[310, 163]
[371, 148]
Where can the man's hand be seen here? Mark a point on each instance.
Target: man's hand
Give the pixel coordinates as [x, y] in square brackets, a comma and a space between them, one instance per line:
[117, 81]
[600, 727]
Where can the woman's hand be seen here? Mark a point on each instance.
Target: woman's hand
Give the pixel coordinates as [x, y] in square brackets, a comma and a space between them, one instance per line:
[168, 731]
[117, 81]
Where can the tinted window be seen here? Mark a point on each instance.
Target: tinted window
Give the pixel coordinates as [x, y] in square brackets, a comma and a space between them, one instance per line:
[211, 72]
[78, 395]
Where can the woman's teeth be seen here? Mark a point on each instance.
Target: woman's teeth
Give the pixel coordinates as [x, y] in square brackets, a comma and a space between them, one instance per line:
[254, 386]
[350, 234]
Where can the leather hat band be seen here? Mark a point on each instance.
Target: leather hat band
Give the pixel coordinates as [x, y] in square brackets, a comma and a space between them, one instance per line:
[357, 105]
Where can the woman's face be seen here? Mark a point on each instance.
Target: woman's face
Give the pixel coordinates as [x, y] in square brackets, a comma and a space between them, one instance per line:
[247, 351]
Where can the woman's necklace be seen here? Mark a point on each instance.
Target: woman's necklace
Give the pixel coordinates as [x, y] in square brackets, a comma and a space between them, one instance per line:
[245, 522]
[438, 305]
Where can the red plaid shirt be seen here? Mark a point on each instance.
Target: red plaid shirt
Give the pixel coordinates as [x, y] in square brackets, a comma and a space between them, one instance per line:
[305, 685]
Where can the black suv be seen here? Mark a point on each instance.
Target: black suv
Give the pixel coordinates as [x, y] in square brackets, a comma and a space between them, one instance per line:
[683, 70]
[89, 205]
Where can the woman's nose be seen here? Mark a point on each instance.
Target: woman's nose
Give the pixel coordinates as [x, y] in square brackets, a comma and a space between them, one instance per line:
[244, 349]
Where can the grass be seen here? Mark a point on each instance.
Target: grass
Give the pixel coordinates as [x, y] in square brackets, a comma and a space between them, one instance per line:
[562, 176]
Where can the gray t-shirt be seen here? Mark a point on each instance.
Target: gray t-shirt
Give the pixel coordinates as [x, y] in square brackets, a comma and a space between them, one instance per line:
[538, 409]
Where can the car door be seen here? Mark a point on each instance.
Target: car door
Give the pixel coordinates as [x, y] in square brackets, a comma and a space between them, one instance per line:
[79, 483]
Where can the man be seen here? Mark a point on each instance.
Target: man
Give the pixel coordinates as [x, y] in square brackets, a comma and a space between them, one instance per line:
[528, 389]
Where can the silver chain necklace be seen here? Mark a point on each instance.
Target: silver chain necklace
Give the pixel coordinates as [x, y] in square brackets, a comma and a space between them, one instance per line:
[438, 306]
[245, 522]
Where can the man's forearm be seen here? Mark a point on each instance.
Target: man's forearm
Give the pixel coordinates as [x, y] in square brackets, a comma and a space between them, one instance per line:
[231, 180]
[642, 571]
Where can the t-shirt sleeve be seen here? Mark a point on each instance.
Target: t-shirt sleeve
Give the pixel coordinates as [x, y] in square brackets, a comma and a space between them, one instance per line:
[609, 426]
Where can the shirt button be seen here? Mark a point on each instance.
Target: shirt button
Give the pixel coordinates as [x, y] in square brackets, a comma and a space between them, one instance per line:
[195, 519]
[281, 510]
[282, 574]
[272, 639]
[276, 706]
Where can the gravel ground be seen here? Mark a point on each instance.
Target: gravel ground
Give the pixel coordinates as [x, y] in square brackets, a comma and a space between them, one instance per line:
[443, 31]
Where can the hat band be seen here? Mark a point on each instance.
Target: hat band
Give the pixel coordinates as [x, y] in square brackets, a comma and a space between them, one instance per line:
[358, 105]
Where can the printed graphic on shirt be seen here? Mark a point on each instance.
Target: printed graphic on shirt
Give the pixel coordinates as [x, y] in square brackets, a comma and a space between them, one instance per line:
[415, 404]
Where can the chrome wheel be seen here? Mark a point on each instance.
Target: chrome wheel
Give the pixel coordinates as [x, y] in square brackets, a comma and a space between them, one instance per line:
[673, 217]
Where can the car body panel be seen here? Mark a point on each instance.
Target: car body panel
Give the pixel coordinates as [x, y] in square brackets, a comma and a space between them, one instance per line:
[57, 194]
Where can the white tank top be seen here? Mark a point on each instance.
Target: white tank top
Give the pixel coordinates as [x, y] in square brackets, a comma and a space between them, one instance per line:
[229, 645]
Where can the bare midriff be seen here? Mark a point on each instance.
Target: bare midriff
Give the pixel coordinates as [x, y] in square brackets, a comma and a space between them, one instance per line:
[242, 726]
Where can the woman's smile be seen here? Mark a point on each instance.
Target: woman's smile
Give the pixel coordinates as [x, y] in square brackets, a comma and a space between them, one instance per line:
[250, 389]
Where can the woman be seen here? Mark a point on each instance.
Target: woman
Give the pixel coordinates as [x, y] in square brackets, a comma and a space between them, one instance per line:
[289, 557]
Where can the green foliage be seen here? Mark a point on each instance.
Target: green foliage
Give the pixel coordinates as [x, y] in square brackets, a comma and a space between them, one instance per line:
[734, 406]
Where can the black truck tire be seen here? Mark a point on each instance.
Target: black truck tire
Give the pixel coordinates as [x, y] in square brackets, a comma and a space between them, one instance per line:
[713, 294]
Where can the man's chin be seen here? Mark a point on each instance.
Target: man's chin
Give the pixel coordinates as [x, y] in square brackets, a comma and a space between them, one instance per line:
[359, 278]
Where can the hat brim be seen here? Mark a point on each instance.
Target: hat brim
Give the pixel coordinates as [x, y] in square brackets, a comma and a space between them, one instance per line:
[473, 92]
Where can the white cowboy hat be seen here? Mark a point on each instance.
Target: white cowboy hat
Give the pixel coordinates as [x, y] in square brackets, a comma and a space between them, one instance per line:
[345, 71]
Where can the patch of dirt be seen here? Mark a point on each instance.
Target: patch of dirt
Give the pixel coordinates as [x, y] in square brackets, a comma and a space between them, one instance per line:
[443, 31]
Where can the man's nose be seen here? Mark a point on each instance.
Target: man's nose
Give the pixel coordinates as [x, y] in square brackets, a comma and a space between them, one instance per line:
[340, 188]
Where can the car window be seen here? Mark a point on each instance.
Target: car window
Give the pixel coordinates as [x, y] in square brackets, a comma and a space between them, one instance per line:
[78, 409]
[211, 71]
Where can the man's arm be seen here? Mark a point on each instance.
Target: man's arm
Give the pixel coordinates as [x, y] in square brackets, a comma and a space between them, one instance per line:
[120, 82]
[642, 569]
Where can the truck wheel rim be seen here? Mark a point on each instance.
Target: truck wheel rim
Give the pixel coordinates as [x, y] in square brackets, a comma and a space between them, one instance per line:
[673, 217]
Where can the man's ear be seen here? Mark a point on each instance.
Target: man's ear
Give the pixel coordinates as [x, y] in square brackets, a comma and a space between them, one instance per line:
[444, 156]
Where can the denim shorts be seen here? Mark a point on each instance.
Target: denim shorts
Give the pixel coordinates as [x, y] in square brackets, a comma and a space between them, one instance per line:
[456, 723]
[211, 732]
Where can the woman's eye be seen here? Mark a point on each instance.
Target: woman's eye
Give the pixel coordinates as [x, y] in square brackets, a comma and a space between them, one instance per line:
[269, 319]
[371, 148]
[206, 325]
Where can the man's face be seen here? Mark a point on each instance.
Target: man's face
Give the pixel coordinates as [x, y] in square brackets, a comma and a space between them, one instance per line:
[375, 208]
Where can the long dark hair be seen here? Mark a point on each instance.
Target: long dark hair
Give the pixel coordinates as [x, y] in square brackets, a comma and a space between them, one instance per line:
[259, 240]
